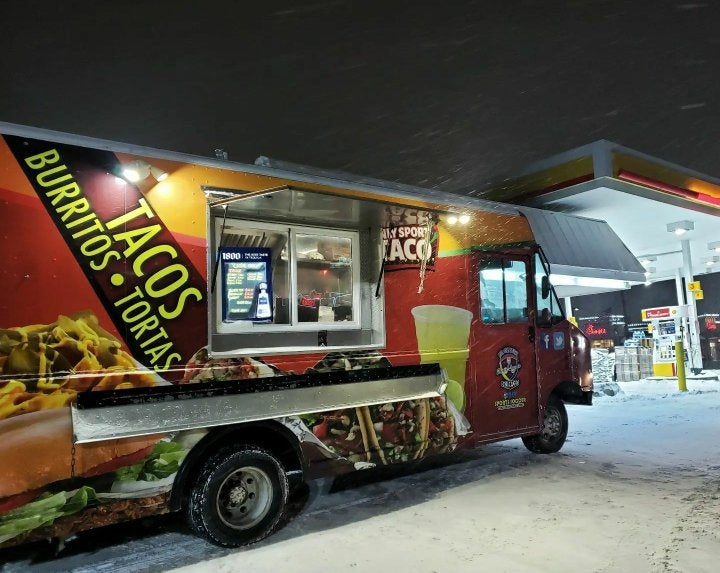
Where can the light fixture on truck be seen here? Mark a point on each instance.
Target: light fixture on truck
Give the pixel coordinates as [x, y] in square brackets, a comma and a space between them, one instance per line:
[137, 171]
[463, 219]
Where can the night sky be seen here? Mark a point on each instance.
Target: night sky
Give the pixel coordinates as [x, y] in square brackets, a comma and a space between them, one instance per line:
[440, 94]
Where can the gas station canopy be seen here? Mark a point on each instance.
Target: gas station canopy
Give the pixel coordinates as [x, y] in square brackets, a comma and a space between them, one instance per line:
[639, 196]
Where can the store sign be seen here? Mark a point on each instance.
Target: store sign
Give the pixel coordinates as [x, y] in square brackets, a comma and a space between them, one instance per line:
[710, 323]
[593, 330]
[699, 295]
[694, 286]
[659, 312]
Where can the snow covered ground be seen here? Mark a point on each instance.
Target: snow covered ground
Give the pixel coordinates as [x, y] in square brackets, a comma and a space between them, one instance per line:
[636, 488]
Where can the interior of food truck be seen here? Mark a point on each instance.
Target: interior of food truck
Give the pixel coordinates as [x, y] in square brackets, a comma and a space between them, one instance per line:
[321, 258]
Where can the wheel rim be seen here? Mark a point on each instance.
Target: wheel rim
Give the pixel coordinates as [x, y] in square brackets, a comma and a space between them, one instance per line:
[552, 425]
[244, 497]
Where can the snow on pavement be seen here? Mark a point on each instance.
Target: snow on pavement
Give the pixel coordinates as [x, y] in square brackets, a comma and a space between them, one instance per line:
[636, 488]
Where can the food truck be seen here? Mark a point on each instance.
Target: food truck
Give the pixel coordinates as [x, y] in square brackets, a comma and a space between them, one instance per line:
[189, 334]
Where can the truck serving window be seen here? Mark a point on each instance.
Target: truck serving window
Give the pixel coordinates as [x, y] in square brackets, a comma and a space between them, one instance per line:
[293, 271]
[286, 275]
[503, 291]
[325, 272]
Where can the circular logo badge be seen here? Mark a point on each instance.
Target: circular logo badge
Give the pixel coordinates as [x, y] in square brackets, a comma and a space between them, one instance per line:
[509, 367]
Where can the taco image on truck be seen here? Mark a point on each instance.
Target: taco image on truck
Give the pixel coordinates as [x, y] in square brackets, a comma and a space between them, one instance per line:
[184, 334]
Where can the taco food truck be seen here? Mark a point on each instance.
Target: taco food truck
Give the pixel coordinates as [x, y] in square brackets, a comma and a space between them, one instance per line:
[189, 334]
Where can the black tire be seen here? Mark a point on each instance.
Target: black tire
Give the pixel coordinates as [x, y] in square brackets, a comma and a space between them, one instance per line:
[238, 497]
[553, 431]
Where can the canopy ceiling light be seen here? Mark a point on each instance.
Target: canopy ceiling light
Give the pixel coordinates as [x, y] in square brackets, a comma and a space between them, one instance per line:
[680, 227]
[591, 282]
[715, 246]
[711, 261]
[139, 170]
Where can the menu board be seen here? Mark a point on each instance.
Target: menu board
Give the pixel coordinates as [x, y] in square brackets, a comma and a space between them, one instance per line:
[247, 288]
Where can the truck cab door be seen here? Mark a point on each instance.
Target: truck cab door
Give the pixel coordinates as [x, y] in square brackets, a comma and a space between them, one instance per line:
[503, 398]
[553, 333]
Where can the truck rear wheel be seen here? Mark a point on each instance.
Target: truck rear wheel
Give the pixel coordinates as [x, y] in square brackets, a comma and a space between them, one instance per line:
[553, 431]
[238, 497]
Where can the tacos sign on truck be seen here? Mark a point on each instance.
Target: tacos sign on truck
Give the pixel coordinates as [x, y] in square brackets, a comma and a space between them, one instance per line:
[184, 334]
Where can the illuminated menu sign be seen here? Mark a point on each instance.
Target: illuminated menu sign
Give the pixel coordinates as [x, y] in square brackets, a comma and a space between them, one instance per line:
[247, 287]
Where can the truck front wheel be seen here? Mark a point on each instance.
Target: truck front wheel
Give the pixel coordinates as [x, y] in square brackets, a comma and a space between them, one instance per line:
[553, 431]
[238, 497]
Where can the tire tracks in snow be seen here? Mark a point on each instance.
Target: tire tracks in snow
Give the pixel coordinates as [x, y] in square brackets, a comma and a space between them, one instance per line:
[693, 544]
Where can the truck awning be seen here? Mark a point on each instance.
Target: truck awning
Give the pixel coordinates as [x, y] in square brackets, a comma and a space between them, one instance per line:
[585, 255]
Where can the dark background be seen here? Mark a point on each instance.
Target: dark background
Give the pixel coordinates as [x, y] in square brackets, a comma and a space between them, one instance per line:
[441, 94]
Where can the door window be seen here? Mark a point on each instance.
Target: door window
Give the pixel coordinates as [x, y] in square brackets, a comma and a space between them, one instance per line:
[503, 291]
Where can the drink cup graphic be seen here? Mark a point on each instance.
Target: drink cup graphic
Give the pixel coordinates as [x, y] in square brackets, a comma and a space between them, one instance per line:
[442, 334]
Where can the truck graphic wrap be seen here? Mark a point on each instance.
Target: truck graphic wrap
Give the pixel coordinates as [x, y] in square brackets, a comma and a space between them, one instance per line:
[138, 271]
[111, 297]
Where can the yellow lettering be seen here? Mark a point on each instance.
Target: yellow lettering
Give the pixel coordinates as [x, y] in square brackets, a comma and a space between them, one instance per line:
[150, 323]
[157, 352]
[105, 260]
[96, 226]
[174, 313]
[136, 311]
[95, 245]
[144, 209]
[136, 238]
[43, 177]
[161, 274]
[77, 206]
[43, 159]
[161, 334]
[134, 294]
[143, 257]
[64, 192]
[168, 362]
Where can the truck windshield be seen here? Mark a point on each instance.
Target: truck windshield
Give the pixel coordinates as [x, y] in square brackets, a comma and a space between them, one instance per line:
[549, 310]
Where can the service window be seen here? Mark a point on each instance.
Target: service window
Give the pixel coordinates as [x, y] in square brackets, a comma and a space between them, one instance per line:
[326, 274]
[282, 277]
[503, 291]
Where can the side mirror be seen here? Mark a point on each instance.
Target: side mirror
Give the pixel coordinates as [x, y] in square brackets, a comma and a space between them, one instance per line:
[545, 287]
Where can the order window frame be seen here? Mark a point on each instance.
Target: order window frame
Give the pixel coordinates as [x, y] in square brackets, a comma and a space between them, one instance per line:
[292, 231]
